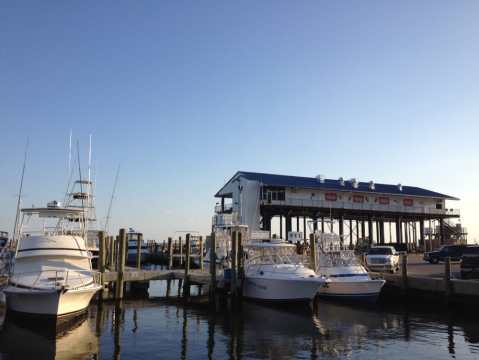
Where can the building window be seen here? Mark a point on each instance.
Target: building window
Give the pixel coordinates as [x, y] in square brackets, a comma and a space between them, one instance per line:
[439, 206]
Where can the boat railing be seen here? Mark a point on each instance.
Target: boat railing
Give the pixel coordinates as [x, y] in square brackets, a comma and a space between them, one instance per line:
[69, 279]
[274, 259]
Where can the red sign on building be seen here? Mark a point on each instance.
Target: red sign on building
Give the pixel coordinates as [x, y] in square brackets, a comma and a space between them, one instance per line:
[383, 200]
[331, 196]
[408, 202]
[358, 198]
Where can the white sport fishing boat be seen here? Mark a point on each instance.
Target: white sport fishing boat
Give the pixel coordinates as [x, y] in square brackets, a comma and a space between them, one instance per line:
[51, 272]
[348, 279]
[274, 272]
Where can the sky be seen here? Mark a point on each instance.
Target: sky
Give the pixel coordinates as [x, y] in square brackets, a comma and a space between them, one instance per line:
[182, 94]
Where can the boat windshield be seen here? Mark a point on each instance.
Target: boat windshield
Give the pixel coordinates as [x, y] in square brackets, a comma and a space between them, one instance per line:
[272, 255]
[338, 258]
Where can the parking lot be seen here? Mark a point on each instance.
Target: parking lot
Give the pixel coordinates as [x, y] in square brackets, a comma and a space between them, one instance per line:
[417, 266]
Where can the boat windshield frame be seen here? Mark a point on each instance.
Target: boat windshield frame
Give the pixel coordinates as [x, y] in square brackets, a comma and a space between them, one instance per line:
[272, 254]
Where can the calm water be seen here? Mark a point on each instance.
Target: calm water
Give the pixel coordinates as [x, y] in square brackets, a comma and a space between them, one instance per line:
[152, 328]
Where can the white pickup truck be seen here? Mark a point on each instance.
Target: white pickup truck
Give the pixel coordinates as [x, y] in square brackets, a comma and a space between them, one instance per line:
[382, 258]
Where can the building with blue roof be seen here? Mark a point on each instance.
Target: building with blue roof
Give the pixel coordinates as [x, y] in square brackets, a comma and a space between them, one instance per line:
[258, 199]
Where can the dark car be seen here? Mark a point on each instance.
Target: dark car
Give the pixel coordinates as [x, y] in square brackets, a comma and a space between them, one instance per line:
[470, 263]
[452, 251]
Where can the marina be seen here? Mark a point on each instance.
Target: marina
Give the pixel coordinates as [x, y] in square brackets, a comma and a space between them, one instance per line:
[251, 180]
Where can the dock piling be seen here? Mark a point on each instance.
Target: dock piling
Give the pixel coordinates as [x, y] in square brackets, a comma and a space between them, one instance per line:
[121, 264]
[101, 252]
[234, 264]
[201, 253]
[139, 240]
[186, 283]
[447, 279]
[170, 254]
[312, 244]
[404, 273]
[212, 289]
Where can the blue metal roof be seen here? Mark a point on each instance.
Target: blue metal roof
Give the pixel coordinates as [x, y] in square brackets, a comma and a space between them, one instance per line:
[330, 184]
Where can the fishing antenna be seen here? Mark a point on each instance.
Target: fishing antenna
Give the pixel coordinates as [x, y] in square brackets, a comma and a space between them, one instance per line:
[15, 226]
[111, 199]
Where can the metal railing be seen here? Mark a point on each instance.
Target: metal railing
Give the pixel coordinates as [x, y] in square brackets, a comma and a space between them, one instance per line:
[361, 206]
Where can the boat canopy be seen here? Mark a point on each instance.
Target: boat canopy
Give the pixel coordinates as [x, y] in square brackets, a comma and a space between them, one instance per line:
[55, 212]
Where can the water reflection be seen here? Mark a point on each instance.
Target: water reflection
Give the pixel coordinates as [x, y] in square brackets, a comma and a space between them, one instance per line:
[74, 339]
[159, 328]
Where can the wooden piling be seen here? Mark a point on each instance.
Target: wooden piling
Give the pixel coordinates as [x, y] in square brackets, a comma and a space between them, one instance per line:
[139, 240]
[234, 263]
[181, 251]
[213, 266]
[111, 254]
[404, 274]
[201, 253]
[312, 253]
[186, 283]
[121, 264]
[240, 267]
[170, 253]
[447, 279]
[101, 252]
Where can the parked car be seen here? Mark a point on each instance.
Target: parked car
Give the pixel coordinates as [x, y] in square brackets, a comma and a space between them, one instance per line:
[382, 258]
[452, 251]
[470, 263]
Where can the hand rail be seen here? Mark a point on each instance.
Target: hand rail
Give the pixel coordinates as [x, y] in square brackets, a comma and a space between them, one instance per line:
[64, 275]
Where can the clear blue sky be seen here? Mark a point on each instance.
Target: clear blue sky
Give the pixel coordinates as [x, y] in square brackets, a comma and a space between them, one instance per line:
[183, 94]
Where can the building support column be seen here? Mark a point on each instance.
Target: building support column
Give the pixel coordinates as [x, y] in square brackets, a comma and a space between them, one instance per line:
[441, 232]
[341, 228]
[322, 224]
[363, 230]
[370, 224]
[289, 226]
[350, 233]
[281, 226]
[267, 223]
[422, 240]
[406, 235]
[304, 228]
[297, 223]
[381, 231]
[398, 231]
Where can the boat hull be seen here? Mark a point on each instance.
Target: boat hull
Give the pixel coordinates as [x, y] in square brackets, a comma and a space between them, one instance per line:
[281, 290]
[49, 302]
[365, 291]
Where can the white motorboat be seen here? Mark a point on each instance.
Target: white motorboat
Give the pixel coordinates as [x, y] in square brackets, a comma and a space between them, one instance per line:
[51, 271]
[274, 272]
[348, 279]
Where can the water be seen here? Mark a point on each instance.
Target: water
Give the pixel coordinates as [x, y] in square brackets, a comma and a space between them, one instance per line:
[155, 328]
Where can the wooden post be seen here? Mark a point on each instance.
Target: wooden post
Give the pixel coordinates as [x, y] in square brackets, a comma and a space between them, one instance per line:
[181, 251]
[139, 240]
[101, 252]
[240, 273]
[212, 266]
[447, 279]
[201, 253]
[234, 263]
[404, 273]
[112, 253]
[170, 254]
[117, 252]
[312, 244]
[121, 264]
[186, 283]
